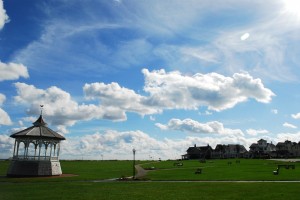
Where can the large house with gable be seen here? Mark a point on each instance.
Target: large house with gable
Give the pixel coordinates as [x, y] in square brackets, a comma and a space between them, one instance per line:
[262, 149]
[288, 149]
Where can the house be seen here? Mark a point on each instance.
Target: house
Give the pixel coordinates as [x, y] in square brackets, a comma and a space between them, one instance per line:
[288, 149]
[229, 151]
[202, 152]
[221, 151]
[262, 149]
[295, 150]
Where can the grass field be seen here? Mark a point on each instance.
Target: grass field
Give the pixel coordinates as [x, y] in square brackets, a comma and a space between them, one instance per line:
[83, 186]
[244, 169]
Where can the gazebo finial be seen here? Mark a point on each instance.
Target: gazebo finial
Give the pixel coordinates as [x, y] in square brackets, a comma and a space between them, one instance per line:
[41, 106]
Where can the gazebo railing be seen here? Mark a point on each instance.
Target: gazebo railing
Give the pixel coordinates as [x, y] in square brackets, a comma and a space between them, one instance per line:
[33, 158]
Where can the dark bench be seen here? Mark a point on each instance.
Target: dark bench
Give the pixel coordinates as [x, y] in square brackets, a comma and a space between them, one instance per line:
[178, 164]
[276, 172]
[198, 171]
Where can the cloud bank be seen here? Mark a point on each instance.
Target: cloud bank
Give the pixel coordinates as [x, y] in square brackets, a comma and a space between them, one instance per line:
[165, 91]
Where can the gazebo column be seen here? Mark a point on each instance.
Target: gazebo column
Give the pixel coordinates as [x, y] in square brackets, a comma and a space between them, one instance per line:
[46, 148]
[58, 149]
[15, 148]
[54, 149]
[40, 146]
[35, 147]
[27, 147]
[51, 144]
[18, 148]
[24, 150]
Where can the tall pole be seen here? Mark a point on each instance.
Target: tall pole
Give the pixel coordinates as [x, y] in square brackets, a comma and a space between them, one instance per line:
[133, 151]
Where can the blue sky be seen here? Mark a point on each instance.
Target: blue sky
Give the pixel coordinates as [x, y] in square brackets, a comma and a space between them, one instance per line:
[157, 76]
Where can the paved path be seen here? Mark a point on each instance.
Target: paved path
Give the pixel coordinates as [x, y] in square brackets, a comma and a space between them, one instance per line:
[141, 172]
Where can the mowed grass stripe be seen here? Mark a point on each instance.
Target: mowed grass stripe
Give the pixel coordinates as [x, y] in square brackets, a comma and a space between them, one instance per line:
[150, 190]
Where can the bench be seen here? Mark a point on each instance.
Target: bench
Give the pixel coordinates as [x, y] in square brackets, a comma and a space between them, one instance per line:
[178, 164]
[287, 166]
[276, 172]
[198, 171]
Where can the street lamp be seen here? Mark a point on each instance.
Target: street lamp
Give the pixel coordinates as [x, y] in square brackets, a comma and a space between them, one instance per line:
[133, 151]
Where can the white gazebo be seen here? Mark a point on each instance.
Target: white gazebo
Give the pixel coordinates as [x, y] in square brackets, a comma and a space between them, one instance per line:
[36, 151]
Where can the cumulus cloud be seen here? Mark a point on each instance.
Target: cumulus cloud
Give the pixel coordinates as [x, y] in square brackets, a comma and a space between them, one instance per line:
[119, 97]
[281, 137]
[296, 116]
[114, 144]
[59, 107]
[118, 145]
[255, 132]
[288, 125]
[6, 145]
[12, 71]
[3, 16]
[192, 126]
[176, 91]
[165, 91]
[4, 117]
[2, 99]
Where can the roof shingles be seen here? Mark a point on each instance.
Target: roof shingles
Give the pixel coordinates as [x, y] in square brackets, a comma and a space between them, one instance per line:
[39, 129]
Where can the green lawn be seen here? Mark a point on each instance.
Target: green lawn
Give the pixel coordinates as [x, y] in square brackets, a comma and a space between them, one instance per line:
[149, 190]
[86, 170]
[82, 186]
[247, 169]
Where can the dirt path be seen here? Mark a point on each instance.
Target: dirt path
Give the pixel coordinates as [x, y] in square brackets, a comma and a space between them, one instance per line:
[141, 172]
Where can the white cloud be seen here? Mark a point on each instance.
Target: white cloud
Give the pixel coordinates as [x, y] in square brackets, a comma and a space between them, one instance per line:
[296, 116]
[192, 126]
[166, 91]
[114, 95]
[288, 125]
[4, 117]
[59, 108]
[3, 16]
[114, 144]
[175, 91]
[274, 111]
[2, 99]
[152, 118]
[245, 36]
[294, 137]
[118, 145]
[6, 145]
[12, 71]
[200, 54]
[255, 132]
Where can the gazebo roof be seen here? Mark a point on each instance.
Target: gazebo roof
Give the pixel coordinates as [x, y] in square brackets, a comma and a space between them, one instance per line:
[38, 130]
